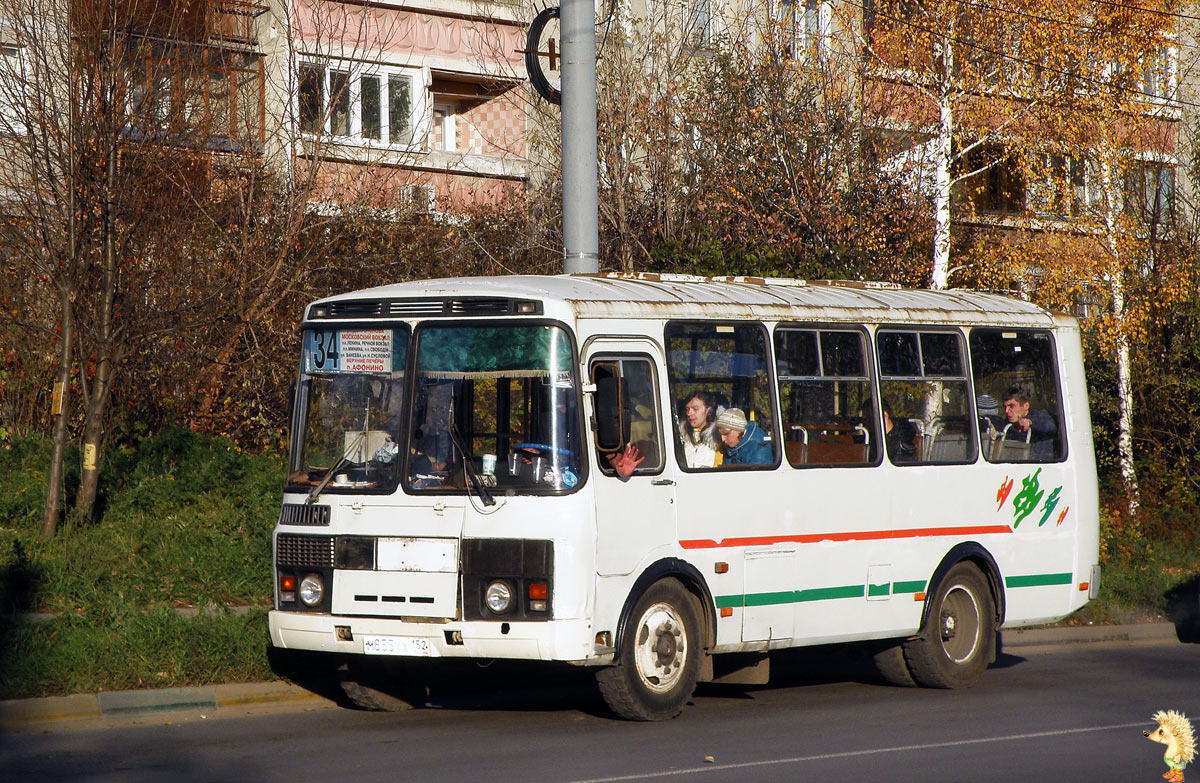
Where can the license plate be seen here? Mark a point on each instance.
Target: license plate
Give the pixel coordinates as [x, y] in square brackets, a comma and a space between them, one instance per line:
[396, 645]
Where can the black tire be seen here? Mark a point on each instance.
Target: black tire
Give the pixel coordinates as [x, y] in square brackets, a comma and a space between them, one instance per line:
[890, 663]
[658, 659]
[368, 688]
[957, 640]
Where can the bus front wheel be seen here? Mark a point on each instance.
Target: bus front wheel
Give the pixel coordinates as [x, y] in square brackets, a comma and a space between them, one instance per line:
[658, 661]
[370, 688]
[957, 640]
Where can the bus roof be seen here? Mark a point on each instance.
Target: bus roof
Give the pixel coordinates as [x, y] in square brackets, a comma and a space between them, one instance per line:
[646, 295]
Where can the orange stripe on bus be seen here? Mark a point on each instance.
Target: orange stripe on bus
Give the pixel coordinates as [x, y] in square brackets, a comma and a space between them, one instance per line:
[869, 535]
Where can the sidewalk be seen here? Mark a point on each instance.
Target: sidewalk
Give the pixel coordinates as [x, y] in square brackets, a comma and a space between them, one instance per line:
[100, 708]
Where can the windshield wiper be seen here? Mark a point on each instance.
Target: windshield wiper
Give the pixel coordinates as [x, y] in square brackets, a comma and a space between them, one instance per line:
[469, 469]
[316, 491]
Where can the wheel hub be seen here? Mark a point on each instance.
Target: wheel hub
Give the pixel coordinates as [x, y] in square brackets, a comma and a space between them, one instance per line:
[666, 644]
[949, 626]
[661, 648]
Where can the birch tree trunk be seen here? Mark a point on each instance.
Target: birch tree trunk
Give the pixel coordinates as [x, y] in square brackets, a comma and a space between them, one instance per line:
[1116, 286]
[943, 164]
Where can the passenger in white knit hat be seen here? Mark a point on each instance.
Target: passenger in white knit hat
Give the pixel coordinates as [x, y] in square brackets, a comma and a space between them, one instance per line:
[745, 443]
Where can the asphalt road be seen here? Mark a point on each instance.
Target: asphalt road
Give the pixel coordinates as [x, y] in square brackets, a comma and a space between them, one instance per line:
[1074, 713]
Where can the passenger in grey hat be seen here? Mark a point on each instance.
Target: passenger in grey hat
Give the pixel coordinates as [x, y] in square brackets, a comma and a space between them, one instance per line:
[745, 443]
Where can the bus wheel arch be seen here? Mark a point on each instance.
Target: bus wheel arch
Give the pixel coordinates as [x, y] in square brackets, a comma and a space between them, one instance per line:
[662, 636]
[693, 582]
[957, 636]
[982, 559]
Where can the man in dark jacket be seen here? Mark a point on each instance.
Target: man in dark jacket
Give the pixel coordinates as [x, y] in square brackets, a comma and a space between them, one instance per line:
[1034, 426]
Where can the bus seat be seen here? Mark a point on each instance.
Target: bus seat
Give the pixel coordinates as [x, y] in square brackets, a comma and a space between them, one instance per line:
[948, 447]
[1004, 450]
[797, 451]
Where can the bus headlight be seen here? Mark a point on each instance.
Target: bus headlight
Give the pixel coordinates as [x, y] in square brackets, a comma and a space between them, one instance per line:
[498, 597]
[312, 590]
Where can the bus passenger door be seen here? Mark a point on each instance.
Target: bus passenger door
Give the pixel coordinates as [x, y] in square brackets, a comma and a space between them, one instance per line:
[635, 515]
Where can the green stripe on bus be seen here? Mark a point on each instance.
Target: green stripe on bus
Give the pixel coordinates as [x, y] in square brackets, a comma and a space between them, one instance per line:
[825, 593]
[1038, 580]
[883, 589]
[789, 596]
[908, 587]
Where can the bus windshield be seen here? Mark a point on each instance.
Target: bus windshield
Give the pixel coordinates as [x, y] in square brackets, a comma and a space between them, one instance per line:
[494, 405]
[351, 404]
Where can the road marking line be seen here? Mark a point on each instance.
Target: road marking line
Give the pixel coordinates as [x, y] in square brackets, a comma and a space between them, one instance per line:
[853, 753]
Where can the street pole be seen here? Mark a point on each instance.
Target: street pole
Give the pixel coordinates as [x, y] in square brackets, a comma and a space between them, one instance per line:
[580, 174]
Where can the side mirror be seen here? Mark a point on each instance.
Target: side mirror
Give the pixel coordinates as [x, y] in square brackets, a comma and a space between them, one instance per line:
[612, 408]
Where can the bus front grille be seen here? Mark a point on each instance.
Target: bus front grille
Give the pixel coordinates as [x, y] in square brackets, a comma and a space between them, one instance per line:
[304, 551]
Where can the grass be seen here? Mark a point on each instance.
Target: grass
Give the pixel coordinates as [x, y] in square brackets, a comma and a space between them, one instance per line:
[151, 649]
[186, 521]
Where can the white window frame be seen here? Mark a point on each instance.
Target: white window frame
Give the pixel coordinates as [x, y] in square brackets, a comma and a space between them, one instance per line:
[449, 126]
[700, 16]
[418, 104]
[804, 27]
[1161, 85]
[15, 66]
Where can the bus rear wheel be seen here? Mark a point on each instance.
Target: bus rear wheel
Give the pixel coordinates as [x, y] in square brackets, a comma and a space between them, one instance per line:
[658, 661]
[958, 638]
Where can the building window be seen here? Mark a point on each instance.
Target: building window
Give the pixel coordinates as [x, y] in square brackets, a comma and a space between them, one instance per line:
[699, 24]
[1060, 187]
[12, 81]
[1158, 75]
[803, 28]
[998, 184]
[373, 104]
[1150, 192]
[443, 134]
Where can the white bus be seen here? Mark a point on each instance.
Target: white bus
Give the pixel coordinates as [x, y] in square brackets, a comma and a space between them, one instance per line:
[666, 477]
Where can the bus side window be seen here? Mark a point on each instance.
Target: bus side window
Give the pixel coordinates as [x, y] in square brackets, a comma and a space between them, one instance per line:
[640, 393]
[1017, 400]
[825, 396]
[721, 367]
[923, 387]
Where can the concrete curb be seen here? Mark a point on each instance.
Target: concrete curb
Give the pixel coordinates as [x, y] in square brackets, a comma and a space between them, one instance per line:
[1088, 634]
[125, 704]
[231, 696]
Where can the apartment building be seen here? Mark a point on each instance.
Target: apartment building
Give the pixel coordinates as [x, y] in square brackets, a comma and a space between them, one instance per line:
[423, 102]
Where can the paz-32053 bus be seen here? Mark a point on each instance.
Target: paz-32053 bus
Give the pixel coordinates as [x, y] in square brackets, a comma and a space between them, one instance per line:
[643, 474]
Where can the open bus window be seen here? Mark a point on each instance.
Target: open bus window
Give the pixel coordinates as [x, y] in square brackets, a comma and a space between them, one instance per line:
[923, 383]
[713, 367]
[350, 400]
[1019, 409]
[640, 403]
[497, 403]
[825, 396]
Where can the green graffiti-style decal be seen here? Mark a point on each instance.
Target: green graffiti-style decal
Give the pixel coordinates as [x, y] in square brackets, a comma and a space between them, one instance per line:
[1026, 501]
[1028, 498]
[1051, 502]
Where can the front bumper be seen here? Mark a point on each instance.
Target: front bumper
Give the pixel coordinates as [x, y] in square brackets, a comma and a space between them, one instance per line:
[554, 640]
